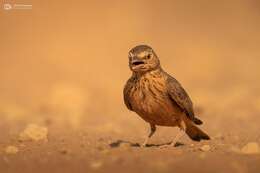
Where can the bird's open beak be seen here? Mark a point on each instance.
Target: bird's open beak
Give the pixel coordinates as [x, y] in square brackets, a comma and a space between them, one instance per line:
[137, 62]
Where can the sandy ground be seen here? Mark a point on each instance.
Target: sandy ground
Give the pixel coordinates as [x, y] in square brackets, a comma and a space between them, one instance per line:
[63, 66]
[112, 144]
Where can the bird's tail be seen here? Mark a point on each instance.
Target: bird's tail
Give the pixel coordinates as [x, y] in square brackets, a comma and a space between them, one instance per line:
[194, 132]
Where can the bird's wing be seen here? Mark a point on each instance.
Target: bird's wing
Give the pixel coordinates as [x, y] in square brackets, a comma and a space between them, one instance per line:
[127, 90]
[180, 97]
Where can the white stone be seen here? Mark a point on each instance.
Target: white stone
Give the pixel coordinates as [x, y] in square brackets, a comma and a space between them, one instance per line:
[251, 148]
[205, 148]
[11, 149]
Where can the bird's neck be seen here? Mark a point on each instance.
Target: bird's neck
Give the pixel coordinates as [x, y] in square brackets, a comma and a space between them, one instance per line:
[155, 71]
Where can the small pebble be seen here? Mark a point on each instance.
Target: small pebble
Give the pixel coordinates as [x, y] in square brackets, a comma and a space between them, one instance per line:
[11, 150]
[33, 132]
[205, 148]
[251, 148]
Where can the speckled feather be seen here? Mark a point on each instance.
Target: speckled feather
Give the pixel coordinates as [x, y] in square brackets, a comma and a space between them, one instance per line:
[157, 97]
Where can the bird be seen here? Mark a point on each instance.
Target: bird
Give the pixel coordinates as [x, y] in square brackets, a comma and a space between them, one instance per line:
[158, 98]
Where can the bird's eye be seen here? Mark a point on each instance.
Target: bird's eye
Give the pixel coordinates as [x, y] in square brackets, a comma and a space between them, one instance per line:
[148, 56]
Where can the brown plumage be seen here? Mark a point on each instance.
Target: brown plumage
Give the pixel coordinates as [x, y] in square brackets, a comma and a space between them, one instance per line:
[157, 97]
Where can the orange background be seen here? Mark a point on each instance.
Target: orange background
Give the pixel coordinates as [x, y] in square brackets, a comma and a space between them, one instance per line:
[75, 52]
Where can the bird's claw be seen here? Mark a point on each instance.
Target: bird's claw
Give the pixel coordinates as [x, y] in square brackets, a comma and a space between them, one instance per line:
[164, 146]
[143, 145]
[173, 144]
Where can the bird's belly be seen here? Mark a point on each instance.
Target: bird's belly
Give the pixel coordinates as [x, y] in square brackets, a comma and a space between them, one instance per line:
[157, 110]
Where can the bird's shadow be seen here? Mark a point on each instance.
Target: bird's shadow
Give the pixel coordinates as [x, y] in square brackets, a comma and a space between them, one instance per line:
[117, 144]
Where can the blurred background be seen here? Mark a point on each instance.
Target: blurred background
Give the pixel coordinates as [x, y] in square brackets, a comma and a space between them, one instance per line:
[64, 63]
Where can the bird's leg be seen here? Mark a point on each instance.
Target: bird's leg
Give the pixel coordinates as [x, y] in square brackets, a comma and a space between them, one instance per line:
[152, 130]
[179, 134]
[177, 137]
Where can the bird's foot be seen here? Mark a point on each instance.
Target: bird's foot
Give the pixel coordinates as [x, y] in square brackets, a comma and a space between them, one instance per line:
[169, 145]
[145, 142]
[164, 146]
[143, 145]
[174, 143]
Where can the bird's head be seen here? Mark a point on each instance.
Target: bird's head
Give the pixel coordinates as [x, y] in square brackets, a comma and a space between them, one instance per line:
[142, 58]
